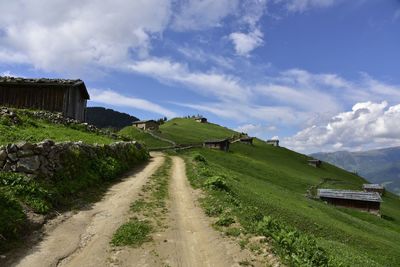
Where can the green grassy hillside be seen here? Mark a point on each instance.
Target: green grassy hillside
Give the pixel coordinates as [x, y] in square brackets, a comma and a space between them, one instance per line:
[31, 129]
[187, 131]
[145, 138]
[268, 181]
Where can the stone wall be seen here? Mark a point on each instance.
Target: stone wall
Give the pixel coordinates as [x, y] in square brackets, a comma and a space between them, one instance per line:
[46, 158]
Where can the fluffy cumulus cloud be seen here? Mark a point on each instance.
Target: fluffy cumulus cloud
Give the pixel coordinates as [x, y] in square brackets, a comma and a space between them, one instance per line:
[244, 43]
[368, 125]
[91, 33]
[110, 97]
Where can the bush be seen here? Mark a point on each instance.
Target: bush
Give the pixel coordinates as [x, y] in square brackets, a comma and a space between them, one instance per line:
[225, 221]
[217, 182]
[297, 248]
[200, 158]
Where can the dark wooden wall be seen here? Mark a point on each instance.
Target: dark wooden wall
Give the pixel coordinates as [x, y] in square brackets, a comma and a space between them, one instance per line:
[65, 99]
[355, 204]
[32, 98]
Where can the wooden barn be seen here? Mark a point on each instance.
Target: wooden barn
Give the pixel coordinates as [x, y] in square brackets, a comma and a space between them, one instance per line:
[315, 163]
[146, 125]
[246, 140]
[365, 201]
[273, 142]
[201, 119]
[56, 95]
[217, 144]
[374, 188]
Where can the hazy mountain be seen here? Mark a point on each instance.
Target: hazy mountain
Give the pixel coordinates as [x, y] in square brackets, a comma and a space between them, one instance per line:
[377, 166]
[108, 118]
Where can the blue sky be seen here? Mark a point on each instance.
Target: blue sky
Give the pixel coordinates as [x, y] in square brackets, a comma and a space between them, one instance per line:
[320, 75]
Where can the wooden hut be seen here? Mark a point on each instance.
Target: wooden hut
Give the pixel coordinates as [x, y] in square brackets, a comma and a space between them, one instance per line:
[374, 188]
[146, 125]
[201, 119]
[56, 95]
[315, 163]
[365, 201]
[217, 144]
[273, 142]
[246, 140]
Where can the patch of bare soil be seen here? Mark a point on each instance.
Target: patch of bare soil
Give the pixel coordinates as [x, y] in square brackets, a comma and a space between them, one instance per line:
[82, 239]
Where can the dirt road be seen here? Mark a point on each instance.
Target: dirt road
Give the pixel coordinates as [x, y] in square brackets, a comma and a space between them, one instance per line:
[83, 239]
[189, 240]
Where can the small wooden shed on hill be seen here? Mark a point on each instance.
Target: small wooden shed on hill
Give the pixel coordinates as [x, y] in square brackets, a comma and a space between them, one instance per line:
[201, 119]
[222, 144]
[246, 140]
[146, 125]
[365, 201]
[315, 163]
[56, 95]
[273, 142]
[374, 188]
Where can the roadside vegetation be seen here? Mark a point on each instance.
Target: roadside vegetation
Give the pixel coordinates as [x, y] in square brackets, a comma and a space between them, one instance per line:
[148, 213]
[82, 179]
[261, 190]
[34, 130]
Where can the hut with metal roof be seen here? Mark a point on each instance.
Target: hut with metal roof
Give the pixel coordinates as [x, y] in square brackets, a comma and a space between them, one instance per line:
[68, 97]
[374, 188]
[222, 144]
[315, 163]
[273, 142]
[365, 201]
[151, 125]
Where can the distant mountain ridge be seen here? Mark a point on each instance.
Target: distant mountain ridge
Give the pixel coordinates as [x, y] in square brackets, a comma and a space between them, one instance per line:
[377, 166]
[108, 118]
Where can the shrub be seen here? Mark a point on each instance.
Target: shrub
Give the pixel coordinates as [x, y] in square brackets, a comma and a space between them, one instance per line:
[200, 158]
[225, 221]
[217, 182]
[297, 248]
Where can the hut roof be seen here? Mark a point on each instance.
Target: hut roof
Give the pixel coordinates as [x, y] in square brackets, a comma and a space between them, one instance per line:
[144, 121]
[44, 81]
[216, 141]
[372, 186]
[352, 195]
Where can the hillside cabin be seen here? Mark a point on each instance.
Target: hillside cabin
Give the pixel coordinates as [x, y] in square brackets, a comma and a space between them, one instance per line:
[217, 144]
[315, 163]
[68, 97]
[374, 188]
[364, 201]
[273, 142]
[151, 125]
[201, 119]
[246, 140]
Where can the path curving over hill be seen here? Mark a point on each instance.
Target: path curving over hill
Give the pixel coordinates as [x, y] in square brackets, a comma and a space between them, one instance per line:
[83, 239]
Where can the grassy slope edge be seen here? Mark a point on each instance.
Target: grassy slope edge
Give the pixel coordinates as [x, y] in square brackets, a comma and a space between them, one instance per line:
[273, 182]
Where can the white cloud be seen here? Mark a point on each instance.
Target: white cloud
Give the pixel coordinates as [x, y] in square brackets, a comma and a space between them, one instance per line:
[200, 14]
[303, 5]
[211, 84]
[368, 125]
[259, 130]
[245, 43]
[110, 97]
[90, 33]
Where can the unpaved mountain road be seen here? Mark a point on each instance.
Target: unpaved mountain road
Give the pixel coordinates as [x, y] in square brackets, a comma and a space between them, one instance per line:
[83, 239]
[189, 240]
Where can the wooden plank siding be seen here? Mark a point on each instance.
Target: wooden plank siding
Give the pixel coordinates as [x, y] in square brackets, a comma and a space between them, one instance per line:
[33, 98]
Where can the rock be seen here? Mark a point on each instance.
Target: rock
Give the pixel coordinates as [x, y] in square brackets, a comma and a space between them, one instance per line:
[25, 153]
[13, 157]
[3, 155]
[11, 148]
[28, 165]
[8, 166]
[25, 146]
